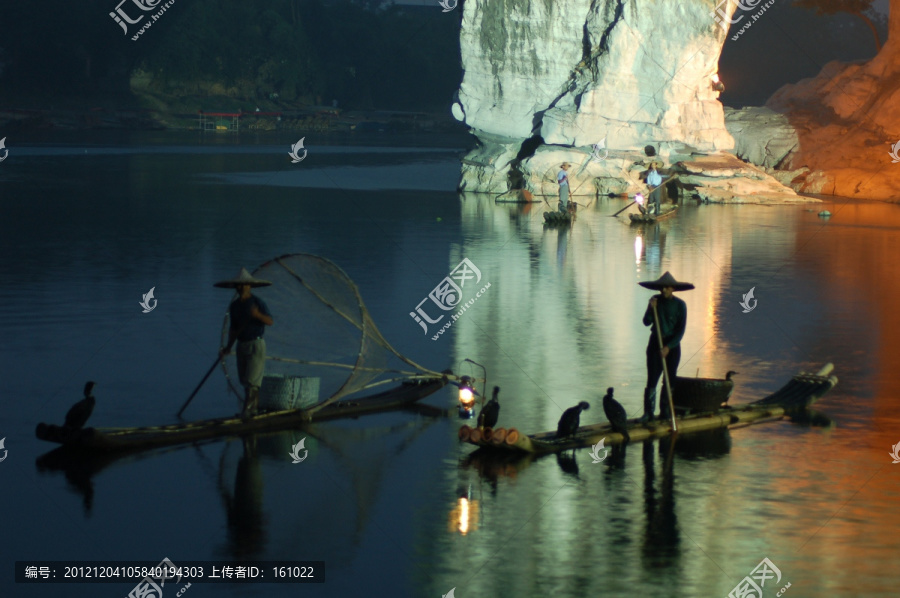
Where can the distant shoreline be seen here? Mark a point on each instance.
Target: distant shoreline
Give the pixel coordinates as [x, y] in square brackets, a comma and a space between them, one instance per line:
[14, 120]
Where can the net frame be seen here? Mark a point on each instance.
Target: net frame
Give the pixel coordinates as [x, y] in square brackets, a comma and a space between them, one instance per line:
[364, 323]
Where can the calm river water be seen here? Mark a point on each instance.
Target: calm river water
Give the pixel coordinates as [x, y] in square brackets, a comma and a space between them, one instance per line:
[392, 503]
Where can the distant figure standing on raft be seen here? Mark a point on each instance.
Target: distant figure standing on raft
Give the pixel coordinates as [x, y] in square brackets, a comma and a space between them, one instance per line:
[563, 179]
[672, 320]
[654, 182]
[249, 317]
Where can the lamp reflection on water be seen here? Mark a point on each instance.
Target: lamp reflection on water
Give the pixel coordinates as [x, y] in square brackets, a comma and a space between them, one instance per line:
[638, 249]
[464, 515]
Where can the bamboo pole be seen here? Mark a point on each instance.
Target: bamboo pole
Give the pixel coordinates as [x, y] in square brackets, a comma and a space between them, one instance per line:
[665, 369]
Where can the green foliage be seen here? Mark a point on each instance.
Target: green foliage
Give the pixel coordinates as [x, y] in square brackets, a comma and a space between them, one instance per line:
[363, 53]
[253, 46]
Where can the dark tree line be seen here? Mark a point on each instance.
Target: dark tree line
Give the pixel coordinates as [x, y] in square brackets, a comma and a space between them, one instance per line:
[362, 54]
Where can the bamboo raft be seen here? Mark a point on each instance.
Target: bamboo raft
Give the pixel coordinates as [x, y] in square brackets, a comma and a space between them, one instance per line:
[802, 391]
[557, 217]
[127, 439]
[552, 218]
[650, 219]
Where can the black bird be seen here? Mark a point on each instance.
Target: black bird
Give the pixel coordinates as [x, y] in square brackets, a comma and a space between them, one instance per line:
[571, 420]
[731, 390]
[616, 415]
[490, 412]
[81, 411]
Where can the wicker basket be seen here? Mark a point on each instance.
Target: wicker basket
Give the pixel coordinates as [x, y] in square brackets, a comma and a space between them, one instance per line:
[699, 395]
[280, 392]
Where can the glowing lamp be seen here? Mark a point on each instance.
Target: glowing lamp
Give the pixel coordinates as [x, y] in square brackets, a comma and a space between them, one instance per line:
[717, 85]
[466, 398]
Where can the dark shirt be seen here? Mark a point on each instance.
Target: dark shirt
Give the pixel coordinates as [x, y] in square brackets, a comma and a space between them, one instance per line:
[672, 319]
[246, 326]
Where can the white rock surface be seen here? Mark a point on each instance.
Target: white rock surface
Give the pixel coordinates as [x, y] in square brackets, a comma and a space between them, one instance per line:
[576, 72]
[723, 178]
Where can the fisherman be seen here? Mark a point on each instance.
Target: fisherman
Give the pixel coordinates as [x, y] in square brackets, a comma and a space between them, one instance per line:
[249, 317]
[672, 313]
[562, 178]
[654, 182]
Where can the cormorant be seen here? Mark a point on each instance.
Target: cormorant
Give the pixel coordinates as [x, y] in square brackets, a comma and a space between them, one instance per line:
[490, 412]
[728, 378]
[616, 415]
[571, 420]
[81, 411]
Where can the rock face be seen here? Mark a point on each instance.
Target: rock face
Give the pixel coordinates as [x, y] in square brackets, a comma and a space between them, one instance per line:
[545, 80]
[831, 134]
[762, 136]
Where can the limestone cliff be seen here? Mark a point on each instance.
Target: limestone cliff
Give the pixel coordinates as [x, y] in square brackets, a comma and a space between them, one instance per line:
[831, 134]
[545, 80]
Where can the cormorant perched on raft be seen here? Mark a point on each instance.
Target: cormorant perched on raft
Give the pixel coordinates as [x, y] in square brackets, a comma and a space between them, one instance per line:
[81, 411]
[728, 377]
[616, 415]
[490, 412]
[571, 420]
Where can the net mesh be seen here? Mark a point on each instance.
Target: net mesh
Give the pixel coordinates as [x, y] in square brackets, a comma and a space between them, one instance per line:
[322, 331]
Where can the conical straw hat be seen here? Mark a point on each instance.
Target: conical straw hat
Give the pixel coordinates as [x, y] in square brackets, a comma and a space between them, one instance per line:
[243, 278]
[666, 280]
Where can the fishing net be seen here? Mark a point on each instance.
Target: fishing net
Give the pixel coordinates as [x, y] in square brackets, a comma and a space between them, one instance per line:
[323, 344]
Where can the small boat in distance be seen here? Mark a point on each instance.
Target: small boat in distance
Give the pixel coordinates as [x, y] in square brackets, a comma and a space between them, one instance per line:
[650, 219]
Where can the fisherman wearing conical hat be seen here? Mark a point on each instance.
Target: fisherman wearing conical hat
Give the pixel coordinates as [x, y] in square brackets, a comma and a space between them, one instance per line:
[672, 321]
[249, 317]
[654, 184]
[562, 177]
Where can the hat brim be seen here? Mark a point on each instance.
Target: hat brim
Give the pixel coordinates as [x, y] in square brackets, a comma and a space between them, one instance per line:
[658, 286]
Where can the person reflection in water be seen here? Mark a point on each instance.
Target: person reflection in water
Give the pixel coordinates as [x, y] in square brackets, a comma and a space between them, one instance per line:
[246, 519]
[661, 538]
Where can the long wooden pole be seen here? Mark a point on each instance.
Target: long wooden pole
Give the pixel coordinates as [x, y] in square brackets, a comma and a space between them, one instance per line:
[671, 178]
[196, 390]
[623, 209]
[665, 369]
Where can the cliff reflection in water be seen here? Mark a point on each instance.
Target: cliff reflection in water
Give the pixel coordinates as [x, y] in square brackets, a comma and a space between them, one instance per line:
[565, 307]
[563, 321]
